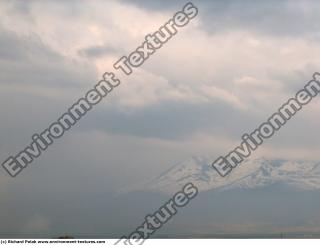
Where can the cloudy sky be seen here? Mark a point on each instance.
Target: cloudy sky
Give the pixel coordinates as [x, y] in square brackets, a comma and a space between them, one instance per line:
[221, 76]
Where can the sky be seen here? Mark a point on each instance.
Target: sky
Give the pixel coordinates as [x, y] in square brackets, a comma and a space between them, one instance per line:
[221, 76]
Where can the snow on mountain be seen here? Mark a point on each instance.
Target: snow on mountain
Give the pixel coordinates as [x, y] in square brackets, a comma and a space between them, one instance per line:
[252, 173]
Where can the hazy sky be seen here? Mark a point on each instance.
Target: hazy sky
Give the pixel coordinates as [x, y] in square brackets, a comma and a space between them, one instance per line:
[221, 76]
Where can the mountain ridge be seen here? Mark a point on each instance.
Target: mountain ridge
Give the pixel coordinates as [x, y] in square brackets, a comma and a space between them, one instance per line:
[250, 174]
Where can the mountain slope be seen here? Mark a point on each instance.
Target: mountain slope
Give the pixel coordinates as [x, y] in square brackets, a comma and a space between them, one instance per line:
[252, 173]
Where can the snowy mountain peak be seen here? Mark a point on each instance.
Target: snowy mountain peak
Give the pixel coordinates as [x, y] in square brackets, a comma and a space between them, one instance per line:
[252, 173]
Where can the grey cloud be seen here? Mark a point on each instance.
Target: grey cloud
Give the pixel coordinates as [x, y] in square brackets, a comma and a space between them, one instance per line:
[97, 51]
[24, 48]
[37, 85]
[279, 18]
[181, 121]
[27, 60]
[170, 120]
[156, 5]
[292, 18]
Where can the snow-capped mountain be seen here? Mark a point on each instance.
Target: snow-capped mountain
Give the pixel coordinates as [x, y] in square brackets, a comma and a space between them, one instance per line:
[252, 173]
